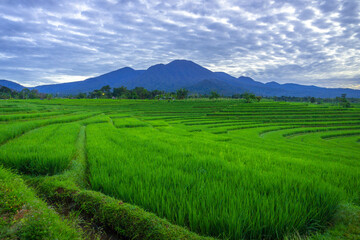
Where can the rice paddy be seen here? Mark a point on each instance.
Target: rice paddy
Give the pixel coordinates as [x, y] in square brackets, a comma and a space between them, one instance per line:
[221, 168]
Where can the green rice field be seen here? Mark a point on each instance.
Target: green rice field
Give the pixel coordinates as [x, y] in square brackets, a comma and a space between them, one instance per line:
[220, 169]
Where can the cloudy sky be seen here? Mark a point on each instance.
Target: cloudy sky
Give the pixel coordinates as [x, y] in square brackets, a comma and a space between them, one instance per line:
[306, 42]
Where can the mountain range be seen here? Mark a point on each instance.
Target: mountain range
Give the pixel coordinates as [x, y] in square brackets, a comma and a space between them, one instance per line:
[186, 74]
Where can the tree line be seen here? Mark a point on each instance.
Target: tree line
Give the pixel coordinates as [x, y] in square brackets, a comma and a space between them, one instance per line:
[142, 93]
[136, 93]
[25, 93]
[342, 101]
[106, 92]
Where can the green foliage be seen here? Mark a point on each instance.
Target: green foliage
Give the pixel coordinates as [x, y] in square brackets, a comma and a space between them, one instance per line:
[120, 92]
[124, 93]
[249, 97]
[182, 93]
[347, 220]
[214, 95]
[106, 90]
[81, 96]
[24, 216]
[343, 102]
[127, 220]
[7, 93]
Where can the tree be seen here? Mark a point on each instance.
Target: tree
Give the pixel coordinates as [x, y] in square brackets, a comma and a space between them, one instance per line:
[169, 96]
[106, 90]
[121, 92]
[34, 93]
[214, 94]
[156, 94]
[48, 96]
[343, 102]
[182, 93]
[24, 93]
[97, 94]
[141, 92]
[236, 96]
[81, 96]
[248, 97]
[6, 93]
[258, 98]
[312, 100]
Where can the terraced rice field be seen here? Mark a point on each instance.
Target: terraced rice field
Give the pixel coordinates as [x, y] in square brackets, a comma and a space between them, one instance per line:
[223, 169]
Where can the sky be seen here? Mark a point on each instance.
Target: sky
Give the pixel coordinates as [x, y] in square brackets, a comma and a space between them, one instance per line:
[287, 41]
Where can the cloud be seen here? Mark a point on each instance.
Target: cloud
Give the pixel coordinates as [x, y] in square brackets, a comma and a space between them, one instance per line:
[328, 6]
[300, 41]
[306, 14]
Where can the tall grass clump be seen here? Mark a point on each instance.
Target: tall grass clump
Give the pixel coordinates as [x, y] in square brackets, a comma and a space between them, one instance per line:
[14, 129]
[128, 122]
[45, 151]
[205, 186]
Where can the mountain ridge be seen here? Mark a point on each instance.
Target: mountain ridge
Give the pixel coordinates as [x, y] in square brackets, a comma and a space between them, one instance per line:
[11, 84]
[186, 74]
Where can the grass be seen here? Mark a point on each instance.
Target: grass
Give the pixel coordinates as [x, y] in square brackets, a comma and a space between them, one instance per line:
[45, 150]
[14, 129]
[202, 181]
[223, 169]
[24, 216]
[128, 122]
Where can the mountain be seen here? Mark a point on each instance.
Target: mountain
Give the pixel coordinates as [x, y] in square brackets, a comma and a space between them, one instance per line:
[297, 90]
[12, 85]
[197, 79]
[172, 76]
[116, 78]
[168, 77]
[209, 85]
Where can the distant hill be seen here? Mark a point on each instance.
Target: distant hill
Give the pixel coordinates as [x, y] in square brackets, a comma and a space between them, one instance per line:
[12, 85]
[187, 74]
[116, 78]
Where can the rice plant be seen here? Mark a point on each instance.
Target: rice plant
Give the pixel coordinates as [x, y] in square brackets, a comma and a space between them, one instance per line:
[220, 168]
[43, 151]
